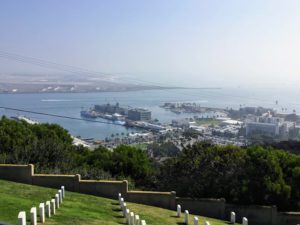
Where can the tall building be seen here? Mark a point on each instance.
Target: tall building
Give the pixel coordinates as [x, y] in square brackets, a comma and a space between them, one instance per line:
[265, 125]
[139, 114]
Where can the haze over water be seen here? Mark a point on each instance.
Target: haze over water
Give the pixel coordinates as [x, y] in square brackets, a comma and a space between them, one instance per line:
[70, 104]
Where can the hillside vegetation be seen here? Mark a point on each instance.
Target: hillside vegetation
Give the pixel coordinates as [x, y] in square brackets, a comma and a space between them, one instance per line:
[202, 170]
[79, 209]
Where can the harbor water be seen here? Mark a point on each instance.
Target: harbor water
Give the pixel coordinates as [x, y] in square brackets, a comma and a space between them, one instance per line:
[70, 104]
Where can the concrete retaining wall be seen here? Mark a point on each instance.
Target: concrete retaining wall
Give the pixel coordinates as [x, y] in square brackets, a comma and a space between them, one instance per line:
[215, 208]
[17, 173]
[161, 199]
[108, 189]
[71, 182]
[258, 215]
[288, 218]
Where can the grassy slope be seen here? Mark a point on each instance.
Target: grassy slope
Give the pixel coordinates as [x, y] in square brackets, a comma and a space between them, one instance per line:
[78, 208]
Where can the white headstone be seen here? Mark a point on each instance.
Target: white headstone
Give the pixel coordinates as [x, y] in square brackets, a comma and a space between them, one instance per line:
[206, 223]
[186, 217]
[119, 196]
[121, 200]
[22, 218]
[178, 211]
[57, 201]
[127, 215]
[124, 209]
[63, 191]
[53, 207]
[232, 217]
[143, 222]
[60, 196]
[245, 221]
[42, 212]
[132, 218]
[33, 216]
[48, 209]
[137, 220]
[196, 220]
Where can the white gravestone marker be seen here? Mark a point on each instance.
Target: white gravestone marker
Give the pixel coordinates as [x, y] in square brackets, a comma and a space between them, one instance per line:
[53, 207]
[42, 212]
[137, 220]
[178, 211]
[206, 223]
[33, 217]
[63, 191]
[196, 220]
[131, 218]
[48, 209]
[127, 214]
[57, 201]
[186, 217]
[121, 201]
[143, 222]
[124, 209]
[22, 218]
[232, 217]
[60, 196]
[245, 221]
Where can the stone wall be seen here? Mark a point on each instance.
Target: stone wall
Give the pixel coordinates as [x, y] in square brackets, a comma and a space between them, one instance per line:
[25, 174]
[215, 208]
[288, 218]
[161, 199]
[17, 173]
[258, 215]
[71, 182]
[108, 189]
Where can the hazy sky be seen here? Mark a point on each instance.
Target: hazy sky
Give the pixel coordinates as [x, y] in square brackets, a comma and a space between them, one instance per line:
[209, 42]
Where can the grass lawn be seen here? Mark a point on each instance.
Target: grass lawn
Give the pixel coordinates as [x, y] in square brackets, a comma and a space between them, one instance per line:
[208, 122]
[79, 208]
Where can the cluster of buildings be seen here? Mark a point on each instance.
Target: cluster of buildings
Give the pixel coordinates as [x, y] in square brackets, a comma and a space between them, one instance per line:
[116, 112]
[268, 125]
[248, 124]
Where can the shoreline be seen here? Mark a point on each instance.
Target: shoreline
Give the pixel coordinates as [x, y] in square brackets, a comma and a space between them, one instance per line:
[113, 91]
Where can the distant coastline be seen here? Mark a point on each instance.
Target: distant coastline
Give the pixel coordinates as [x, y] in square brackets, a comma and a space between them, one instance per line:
[117, 89]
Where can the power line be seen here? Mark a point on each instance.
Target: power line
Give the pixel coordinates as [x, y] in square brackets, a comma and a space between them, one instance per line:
[81, 71]
[48, 64]
[58, 116]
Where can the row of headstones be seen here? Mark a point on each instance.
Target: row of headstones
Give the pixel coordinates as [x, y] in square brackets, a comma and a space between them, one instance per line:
[131, 218]
[45, 210]
[196, 219]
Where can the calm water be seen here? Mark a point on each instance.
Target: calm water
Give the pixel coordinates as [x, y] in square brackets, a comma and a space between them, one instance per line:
[70, 104]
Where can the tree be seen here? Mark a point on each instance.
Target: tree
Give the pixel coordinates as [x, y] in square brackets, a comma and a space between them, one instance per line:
[206, 170]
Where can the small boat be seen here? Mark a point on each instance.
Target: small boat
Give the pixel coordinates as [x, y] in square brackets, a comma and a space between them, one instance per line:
[119, 122]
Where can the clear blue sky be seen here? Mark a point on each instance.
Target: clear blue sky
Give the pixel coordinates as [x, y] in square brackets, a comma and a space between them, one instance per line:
[214, 42]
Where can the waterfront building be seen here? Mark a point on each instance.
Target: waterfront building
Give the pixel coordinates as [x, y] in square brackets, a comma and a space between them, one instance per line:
[266, 125]
[268, 129]
[110, 109]
[139, 114]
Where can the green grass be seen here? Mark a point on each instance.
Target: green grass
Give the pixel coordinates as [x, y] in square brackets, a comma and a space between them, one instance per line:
[79, 208]
[208, 122]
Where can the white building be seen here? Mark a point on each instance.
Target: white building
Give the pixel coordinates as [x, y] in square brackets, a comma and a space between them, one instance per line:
[265, 125]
